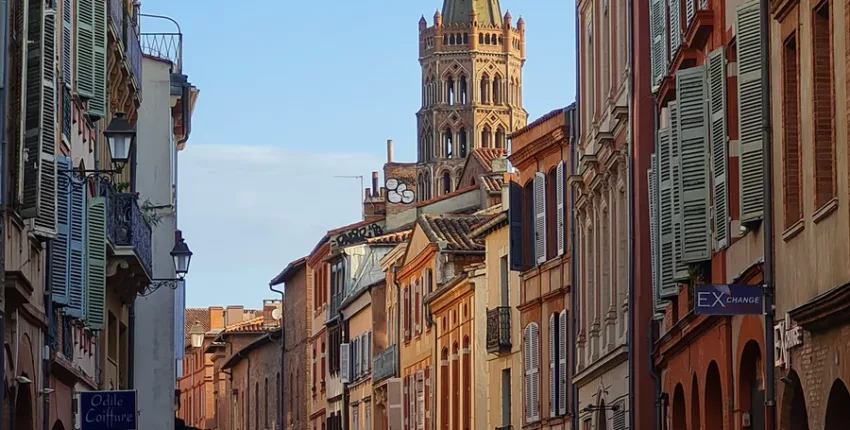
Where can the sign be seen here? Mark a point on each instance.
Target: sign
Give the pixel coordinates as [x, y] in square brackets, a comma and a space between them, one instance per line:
[728, 300]
[108, 410]
[357, 235]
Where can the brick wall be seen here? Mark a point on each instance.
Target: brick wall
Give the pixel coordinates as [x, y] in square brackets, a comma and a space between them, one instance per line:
[404, 173]
[264, 366]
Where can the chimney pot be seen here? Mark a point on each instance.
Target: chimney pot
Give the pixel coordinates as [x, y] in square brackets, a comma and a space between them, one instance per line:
[389, 150]
[368, 193]
[375, 182]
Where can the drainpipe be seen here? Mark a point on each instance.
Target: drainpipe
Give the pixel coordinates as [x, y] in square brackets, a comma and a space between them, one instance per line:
[282, 368]
[630, 225]
[769, 308]
[345, 394]
[131, 347]
[397, 321]
[659, 394]
[45, 351]
[3, 195]
[574, 132]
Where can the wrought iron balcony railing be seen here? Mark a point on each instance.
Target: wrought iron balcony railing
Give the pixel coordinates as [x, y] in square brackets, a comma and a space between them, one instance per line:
[126, 226]
[499, 329]
[383, 366]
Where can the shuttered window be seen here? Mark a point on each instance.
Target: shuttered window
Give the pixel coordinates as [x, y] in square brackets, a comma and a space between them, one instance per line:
[96, 263]
[560, 181]
[791, 163]
[674, 6]
[344, 362]
[420, 400]
[680, 269]
[91, 55]
[562, 364]
[77, 254]
[749, 55]
[67, 58]
[653, 228]
[693, 143]
[667, 286]
[552, 214]
[531, 347]
[553, 348]
[60, 246]
[719, 137]
[395, 400]
[406, 312]
[659, 44]
[823, 86]
[515, 221]
[540, 217]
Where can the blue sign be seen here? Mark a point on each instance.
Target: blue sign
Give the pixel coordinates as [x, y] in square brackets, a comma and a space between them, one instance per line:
[728, 300]
[108, 410]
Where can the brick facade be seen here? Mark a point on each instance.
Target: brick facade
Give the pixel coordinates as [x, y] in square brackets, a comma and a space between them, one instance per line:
[296, 326]
[253, 384]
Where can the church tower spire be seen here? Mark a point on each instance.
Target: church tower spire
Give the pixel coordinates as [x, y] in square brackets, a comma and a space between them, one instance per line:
[471, 58]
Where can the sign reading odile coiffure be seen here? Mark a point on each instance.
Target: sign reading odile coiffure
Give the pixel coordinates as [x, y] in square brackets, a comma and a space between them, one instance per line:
[108, 410]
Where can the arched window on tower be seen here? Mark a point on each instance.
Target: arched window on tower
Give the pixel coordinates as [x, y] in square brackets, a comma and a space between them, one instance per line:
[481, 38]
[485, 137]
[461, 137]
[450, 91]
[497, 90]
[447, 143]
[500, 138]
[465, 38]
[487, 39]
[485, 88]
[463, 97]
[445, 39]
[422, 149]
[447, 182]
[452, 39]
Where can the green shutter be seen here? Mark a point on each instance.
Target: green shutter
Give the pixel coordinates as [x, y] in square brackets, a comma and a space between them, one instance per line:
[67, 18]
[97, 105]
[659, 44]
[717, 126]
[77, 254]
[674, 7]
[667, 286]
[60, 246]
[653, 230]
[84, 60]
[750, 87]
[693, 160]
[96, 268]
[680, 269]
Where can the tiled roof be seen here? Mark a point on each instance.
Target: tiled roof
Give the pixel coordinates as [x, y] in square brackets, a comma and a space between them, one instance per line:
[390, 239]
[289, 271]
[486, 156]
[492, 183]
[542, 119]
[196, 314]
[456, 192]
[454, 230]
[355, 225]
[251, 325]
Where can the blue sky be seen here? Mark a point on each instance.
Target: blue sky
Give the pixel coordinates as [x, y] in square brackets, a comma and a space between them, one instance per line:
[293, 93]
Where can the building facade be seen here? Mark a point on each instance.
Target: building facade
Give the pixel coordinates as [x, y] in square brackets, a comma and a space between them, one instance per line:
[252, 398]
[471, 58]
[296, 325]
[318, 277]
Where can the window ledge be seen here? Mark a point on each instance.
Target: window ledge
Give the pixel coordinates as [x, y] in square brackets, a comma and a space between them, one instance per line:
[825, 210]
[793, 231]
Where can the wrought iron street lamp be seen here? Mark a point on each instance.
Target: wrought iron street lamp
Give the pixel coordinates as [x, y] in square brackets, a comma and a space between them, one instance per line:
[196, 335]
[182, 256]
[121, 137]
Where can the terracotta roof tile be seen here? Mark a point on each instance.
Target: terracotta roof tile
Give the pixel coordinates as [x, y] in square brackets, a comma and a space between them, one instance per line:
[454, 230]
[486, 156]
[253, 324]
[456, 192]
[492, 183]
[390, 239]
[195, 314]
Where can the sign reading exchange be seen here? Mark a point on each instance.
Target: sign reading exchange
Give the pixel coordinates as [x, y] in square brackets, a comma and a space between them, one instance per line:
[728, 300]
[108, 410]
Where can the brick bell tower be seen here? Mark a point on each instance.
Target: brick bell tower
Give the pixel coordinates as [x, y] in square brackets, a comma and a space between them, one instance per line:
[472, 59]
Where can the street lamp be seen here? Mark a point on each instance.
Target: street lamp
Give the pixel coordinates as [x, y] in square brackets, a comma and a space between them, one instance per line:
[196, 335]
[182, 256]
[121, 137]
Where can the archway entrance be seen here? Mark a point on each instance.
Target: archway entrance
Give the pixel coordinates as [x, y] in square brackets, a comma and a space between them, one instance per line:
[679, 414]
[751, 386]
[713, 398]
[23, 408]
[695, 419]
[793, 415]
[837, 407]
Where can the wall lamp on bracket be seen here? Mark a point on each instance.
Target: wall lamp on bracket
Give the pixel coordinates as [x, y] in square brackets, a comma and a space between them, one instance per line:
[594, 408]
[121, 137]
[182, 256]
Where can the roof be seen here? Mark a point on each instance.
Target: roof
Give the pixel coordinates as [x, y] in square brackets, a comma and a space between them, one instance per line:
[289, 271]
[459, 11]
[492, 183]
[543, 119]
[485, 156]
[483, 229]
[191, 315]
[355, 225]
[390, 239]
[239, 355]
[454, 193]
[453, 230]
[251, 325]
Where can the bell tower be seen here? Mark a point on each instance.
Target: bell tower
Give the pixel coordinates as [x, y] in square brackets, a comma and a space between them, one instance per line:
[471, 58]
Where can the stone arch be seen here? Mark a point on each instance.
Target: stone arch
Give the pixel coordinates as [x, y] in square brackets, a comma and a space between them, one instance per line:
[679, 409]
[695, 405]
[793, 415]
[713, 398]
[751, 384]
[837, 406]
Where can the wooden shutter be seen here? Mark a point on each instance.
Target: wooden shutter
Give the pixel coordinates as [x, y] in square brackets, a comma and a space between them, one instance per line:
[515, 208]
[562, 365]
[97, 105]
[675, 26]
[690, 11]
[553, 348]
[717, 127]
[344, 363]
[67, 57]
[395, 414]
[38, 159]
[693, 132]
[85, 48]
[679, 268]
[653, 228]
[417, 329]
[526, 359]
[96, 263]
[411, 402]
[667, 286]
[420, 400]
[559, 190]
[406, 402]
[748, 37]
[368, 360]
[540, 217]
[60, 246]
[658, 32]
[535, 374]
[406, 311]
[428, 404]
[356, 360]
[77, 257]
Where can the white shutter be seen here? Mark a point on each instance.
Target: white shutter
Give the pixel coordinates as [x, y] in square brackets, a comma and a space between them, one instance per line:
[679, 269]
[395, 414]
[653, 228]
[748, 37]
[344, 363]
[411, 401]
[693, 131]
[540, 217]
[420, 400]
[675, 26]
[368, 360]
[667, 285]
[689, 12]
[535, 374]
[717, 126]
[553, 398]
[562, 365]
[527, 361]
[559, 190]
[658, 33]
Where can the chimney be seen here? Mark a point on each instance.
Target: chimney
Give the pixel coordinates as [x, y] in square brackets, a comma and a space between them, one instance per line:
[234, 315]
[375, 183]
[268, 307]
[216, 318]
[389, 150]
[368, 193]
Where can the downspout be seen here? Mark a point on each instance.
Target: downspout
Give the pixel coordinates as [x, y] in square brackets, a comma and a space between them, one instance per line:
[435, 354]
[574, 132]
[3, 195]
[631, 212]
[131, 347]
[769, 308]
[345, 394]
[187, 114]
[282, 368]
[657, 378]
[45, 352]
[397, 321]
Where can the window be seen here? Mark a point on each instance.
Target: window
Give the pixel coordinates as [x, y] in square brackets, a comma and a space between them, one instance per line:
[450, 90]
[335, 339]
[506, 397]
[447, 143]
[455, 386]
[485, 137]
[315, 360]
[551, 214]
[417, 311]
[463, 96]
[528, 224]
[503, 277]
[461, 137]
[467, 383]
[322, 369]
[791, 131]
[444, 388]
[500, 138]
[355, 417]
[447, 183]
[824, 104]
[266, 403]
[531, 360]
[485, 89]
[367, 417]
[497, 90]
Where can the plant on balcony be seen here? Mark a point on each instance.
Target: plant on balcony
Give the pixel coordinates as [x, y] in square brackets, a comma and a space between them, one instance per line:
[149, 214]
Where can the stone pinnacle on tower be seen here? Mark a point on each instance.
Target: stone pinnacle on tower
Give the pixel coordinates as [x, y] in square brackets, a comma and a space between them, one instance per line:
[460, 11]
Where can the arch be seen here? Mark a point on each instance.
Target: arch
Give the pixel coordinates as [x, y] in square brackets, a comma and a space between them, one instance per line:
[445, 39]
[447, 182]
[450, 90]
[695, 417]
[485, 88]
[500, 40]
[837, 406]
[24, 413]
[497, 89]
[793, 415]
[486, 136]
[465, 38]
[679, 408]
[751, 384]
[713, 398]
[487, 39]
[500, 138]
[481, 38]
[427, 187]
[455, 386]
[463, 99]
[462, 142]
[452, 39]
[448, 143]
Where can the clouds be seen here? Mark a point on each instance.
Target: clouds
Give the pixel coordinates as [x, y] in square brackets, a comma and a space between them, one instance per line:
[248, 210]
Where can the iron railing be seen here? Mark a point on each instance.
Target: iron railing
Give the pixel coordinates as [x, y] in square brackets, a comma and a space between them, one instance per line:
[383, 366]
[125, 225]
[164, 46]
[499, 329]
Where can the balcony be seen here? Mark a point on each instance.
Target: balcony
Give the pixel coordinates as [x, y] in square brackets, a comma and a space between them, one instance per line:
[124, 28]
[383, 365]
[499, 330]
[129, 234]
[166, 46]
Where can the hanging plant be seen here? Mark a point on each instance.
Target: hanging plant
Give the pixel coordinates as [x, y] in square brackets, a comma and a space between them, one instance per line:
[121, 187]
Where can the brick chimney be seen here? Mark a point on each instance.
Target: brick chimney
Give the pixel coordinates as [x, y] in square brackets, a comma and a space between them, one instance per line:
[234, 315]
[216, 318]
[268, 307]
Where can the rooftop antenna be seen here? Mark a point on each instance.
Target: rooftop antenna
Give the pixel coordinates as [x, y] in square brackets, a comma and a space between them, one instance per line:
[360, 193]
